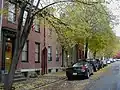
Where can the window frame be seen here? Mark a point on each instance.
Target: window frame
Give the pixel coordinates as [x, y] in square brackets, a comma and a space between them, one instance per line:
[36, 24]
[57, 55]
[38, 53]
[50, 54]
[13, 13]
[38, 31]
[27, 57]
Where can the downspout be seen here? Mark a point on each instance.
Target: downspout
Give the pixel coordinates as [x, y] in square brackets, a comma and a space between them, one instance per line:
[45, 56]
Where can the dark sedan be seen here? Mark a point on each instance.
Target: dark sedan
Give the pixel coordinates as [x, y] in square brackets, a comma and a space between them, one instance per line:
[80, 68]
[94, 64]
[100, 64]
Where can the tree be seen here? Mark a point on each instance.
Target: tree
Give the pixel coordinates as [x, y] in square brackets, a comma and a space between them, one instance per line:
[89, 28]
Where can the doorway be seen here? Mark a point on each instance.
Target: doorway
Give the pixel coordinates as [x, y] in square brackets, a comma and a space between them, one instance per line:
[44, 61]
[8, 54]
[8, 40]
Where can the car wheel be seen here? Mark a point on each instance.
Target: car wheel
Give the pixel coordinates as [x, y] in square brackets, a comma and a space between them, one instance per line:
[88, 75]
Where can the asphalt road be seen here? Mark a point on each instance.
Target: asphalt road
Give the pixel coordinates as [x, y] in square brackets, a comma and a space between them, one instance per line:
[105, 79]
[110, 80]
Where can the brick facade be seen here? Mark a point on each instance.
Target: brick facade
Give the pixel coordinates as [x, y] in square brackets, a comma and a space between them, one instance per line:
[45, 38]
[33, 37]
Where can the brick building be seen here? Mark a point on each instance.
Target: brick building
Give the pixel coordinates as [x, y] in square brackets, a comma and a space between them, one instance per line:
[41, 53]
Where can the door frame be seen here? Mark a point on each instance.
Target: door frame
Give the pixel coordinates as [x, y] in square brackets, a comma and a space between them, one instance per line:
[6, 33]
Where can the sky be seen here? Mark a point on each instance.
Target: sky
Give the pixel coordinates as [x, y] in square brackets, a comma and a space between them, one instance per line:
[114, 7]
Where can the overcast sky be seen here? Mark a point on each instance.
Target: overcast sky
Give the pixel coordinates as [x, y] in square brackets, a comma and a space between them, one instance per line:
[114, 6]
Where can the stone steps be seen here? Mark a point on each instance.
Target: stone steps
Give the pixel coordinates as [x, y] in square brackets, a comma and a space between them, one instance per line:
[18, 76]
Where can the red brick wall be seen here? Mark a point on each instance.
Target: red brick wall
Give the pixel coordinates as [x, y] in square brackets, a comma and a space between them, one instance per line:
[35, 37]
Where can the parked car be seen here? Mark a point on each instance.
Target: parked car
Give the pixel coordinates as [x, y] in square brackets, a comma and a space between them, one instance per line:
[114, 60]
[117, 59]
[100, 64]
[94, 64]
[108, 61]
[80, 68]
[111, 60]
[104, 62]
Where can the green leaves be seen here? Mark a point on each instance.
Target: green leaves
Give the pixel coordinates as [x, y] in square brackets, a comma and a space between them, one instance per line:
[79, 21]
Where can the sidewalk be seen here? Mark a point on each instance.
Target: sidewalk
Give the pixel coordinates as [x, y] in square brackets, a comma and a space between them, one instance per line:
[33, 83]
[56, 74]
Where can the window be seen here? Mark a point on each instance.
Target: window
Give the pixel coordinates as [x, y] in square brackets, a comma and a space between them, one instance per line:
[37, 52]
[25, 53]
[24, 17]
[57, 55]
[49, 53]
[37, 27]
[50, 32]
[11, 13]
[36, 24]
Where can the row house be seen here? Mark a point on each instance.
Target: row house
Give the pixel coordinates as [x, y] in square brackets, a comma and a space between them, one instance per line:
[41, 52]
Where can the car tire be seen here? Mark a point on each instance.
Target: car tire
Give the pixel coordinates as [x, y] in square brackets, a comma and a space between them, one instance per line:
[87, 75]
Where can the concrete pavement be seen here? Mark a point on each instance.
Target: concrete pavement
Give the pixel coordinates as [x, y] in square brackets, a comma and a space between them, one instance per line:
[110, 80]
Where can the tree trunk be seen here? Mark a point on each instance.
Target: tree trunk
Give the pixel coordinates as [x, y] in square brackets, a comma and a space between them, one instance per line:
[76, 47]
[19, 44]
[86, 48]
[9, 77]
[66, 54]
[74, 54]
[62, 57]
[94, 54]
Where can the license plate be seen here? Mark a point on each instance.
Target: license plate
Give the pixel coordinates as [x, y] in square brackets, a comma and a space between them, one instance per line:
[74, 73]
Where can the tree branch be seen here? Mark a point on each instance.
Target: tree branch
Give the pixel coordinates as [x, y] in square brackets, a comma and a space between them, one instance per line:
[90, 3]
[26, 22]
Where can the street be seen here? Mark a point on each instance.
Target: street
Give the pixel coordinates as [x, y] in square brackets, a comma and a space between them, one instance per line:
[105, 79]
[110, 80]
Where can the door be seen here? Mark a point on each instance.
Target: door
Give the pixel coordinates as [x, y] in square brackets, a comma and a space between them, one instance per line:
[8, 38]
[8, 55]
[44, 61]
